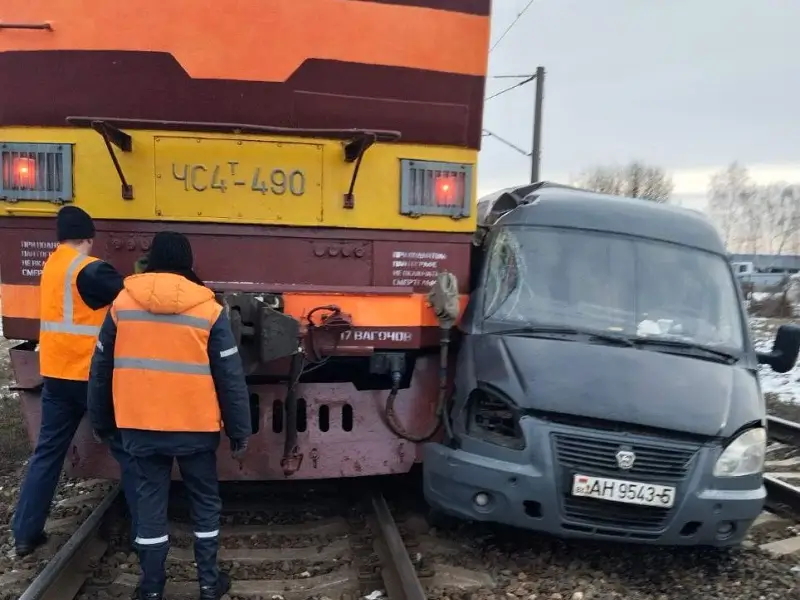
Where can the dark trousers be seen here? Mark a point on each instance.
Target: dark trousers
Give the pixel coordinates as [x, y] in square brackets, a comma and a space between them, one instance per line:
[63, 407]
[199, 473]
[128, 479]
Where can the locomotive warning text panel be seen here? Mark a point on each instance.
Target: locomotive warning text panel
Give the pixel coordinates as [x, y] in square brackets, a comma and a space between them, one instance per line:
[239, 180]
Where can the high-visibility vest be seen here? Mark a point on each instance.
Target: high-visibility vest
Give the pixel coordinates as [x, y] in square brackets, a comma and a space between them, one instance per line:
[162, 376]
[68, 327]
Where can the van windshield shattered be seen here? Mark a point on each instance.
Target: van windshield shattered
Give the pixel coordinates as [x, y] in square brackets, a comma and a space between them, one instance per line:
[602, 282]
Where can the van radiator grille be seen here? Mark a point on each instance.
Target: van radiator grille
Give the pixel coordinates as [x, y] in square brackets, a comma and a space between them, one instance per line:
[614, 515]
[666, 463]
[655, 462]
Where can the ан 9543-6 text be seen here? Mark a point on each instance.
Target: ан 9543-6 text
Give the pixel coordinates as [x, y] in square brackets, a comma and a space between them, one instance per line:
[200, 178]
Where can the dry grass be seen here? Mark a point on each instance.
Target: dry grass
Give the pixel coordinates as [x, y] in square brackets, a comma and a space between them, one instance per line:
[14, 445]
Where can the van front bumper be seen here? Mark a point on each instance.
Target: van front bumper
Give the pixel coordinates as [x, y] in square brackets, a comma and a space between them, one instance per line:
[536, 496]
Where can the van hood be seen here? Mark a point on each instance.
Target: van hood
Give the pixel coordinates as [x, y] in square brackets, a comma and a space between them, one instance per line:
[627, 385]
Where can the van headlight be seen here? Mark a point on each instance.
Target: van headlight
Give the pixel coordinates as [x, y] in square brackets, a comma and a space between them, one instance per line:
[744, 455]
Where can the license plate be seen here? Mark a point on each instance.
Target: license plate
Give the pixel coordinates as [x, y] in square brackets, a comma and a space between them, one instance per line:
[619, 490]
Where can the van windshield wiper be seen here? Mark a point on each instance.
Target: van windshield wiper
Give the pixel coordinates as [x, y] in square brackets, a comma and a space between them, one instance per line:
[558, 332]
[688, 348]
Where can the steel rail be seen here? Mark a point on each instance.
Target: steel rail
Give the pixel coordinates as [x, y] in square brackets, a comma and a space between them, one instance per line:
[781, 492]
[63, 575]
[402, 583]
[783, 430]
[778, 490]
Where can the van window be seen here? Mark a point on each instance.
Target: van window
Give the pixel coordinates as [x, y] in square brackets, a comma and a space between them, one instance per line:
[608, 282]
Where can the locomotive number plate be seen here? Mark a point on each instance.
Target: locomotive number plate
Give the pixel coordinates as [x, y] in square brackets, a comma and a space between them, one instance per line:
[245, 180]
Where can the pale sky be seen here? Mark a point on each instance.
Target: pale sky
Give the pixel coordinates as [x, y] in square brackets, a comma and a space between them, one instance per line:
[688, 85]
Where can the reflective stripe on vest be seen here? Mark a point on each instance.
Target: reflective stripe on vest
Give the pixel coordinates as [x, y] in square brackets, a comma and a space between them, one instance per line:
[67, 324]
[148, 317]
[165, 366]
[153, 364]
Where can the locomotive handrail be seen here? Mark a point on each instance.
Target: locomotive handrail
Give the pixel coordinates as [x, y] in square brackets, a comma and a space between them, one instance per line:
[120, 139]
[30, 26]
[382, 135]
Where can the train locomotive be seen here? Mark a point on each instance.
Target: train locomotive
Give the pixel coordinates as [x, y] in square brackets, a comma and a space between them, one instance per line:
[321, 157]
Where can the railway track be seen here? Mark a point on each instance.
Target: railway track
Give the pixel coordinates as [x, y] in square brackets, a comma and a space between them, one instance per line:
[782, 479]
[65, 574]
[320, 542]
[284, 549]
[776, 529]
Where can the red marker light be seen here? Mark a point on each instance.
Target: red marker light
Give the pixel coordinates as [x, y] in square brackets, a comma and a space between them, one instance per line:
[23, 173]
[446, 190]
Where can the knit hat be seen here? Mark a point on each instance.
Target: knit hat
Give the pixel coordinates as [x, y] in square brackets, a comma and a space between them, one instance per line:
[170, 251]
[73, 223]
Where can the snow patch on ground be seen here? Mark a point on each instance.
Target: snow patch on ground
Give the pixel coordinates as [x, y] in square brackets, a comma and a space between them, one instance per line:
[760, 296]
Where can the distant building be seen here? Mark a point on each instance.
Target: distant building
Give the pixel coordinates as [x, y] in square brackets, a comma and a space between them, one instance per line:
[764, 270]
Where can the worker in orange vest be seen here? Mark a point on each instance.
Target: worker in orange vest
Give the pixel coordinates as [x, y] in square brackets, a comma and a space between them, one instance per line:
[167, 374]
[76, 290]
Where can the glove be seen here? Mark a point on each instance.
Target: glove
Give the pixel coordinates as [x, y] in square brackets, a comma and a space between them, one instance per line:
[140, 265]
[238, 448]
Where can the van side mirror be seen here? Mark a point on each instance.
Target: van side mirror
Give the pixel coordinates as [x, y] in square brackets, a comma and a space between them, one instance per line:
[784, 350]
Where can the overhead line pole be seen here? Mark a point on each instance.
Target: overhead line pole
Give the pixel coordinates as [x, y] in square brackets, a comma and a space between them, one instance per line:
[536, 153]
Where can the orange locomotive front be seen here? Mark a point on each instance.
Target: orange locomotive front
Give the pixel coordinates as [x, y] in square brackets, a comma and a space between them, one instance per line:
[320, 155]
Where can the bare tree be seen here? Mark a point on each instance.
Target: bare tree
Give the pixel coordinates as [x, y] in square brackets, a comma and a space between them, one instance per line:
[605, 180]
[783, 213]
[634, 180]
[754, 218]
[752, 225]
[730, 198]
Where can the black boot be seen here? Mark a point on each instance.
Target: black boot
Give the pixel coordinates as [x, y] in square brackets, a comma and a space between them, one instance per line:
[151, 596]
[223, 586]
[26, 548]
